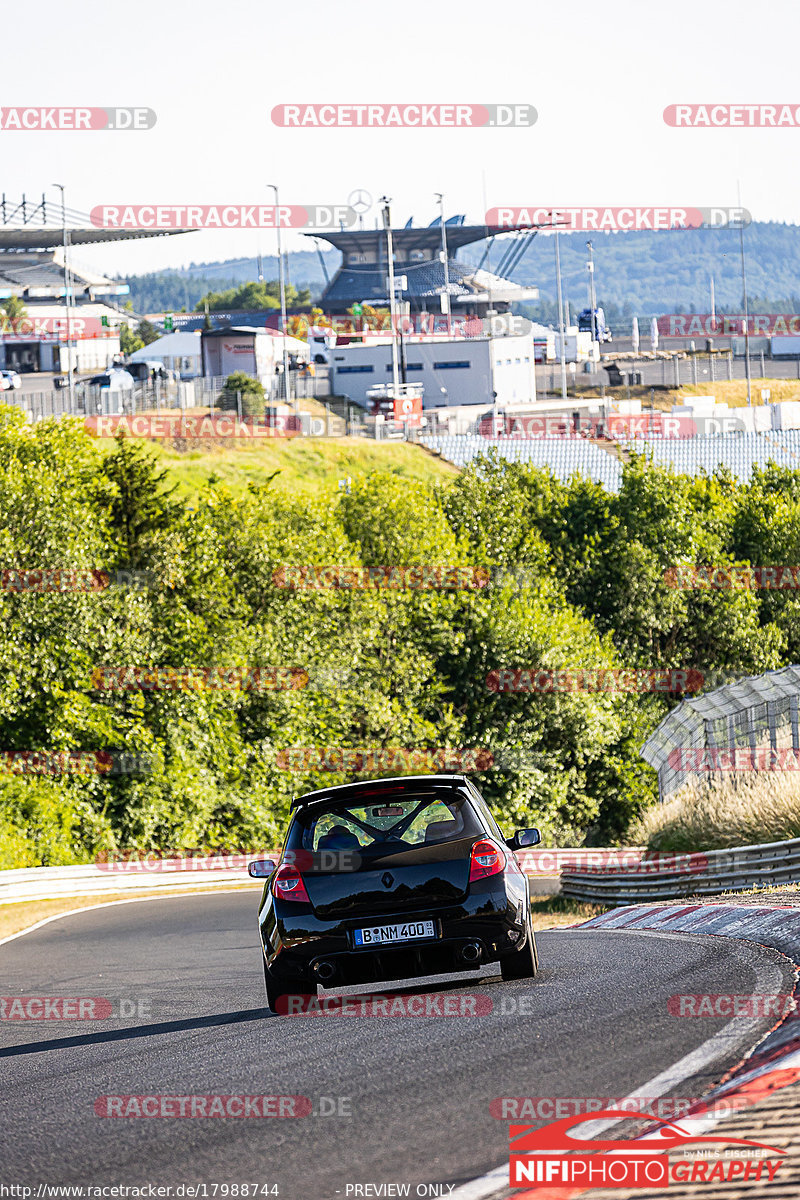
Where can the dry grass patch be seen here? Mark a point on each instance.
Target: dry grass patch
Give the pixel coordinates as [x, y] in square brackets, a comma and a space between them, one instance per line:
[554, 912]
[721, 814]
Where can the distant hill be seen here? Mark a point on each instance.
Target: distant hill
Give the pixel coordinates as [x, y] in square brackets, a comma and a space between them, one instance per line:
[644, 273]
[171, 291]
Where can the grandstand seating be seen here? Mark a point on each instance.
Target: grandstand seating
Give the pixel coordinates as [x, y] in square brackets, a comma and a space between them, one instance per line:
[566, 457]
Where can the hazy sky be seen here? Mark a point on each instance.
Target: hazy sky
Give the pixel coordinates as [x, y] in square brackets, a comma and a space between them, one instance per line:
[599, 75]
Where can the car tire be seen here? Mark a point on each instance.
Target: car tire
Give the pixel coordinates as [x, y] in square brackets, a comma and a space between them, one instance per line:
[291, 987]
[524, 963]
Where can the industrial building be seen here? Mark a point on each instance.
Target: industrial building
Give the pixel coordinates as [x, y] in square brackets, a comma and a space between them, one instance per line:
[490, 368]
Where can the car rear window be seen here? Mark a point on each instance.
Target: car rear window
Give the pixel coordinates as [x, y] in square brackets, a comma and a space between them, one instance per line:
[422, 819]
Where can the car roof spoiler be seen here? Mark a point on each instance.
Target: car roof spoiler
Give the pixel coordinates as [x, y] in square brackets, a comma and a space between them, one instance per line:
[377, 787]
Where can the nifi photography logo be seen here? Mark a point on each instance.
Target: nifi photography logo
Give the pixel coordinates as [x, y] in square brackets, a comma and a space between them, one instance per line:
[552, 1157]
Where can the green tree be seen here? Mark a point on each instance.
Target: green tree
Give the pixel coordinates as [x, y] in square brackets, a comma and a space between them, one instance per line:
[252, 393]
[128, 340]
[147, 332]
[253, 297]
[140, 508]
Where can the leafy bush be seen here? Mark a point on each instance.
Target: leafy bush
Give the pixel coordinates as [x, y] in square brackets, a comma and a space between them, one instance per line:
[387, 666]
[252, 392]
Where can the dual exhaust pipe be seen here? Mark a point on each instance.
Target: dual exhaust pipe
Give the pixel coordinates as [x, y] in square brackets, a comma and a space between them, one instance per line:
[325, 970]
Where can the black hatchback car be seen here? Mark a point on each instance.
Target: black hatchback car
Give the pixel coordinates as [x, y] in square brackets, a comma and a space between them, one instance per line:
[391, 879]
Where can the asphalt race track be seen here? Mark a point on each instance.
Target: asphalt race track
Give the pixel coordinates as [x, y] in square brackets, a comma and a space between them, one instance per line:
[409, 1096]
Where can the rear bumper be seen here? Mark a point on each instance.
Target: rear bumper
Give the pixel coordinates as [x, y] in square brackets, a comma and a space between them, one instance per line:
[489, 925]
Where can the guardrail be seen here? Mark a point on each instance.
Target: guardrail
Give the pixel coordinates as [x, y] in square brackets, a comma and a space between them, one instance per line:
[673, 877]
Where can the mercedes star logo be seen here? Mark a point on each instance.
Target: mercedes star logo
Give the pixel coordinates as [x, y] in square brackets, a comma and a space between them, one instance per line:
[360, 200]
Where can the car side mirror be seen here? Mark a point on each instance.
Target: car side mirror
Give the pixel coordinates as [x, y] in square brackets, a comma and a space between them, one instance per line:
[261, 868]
[522, 838]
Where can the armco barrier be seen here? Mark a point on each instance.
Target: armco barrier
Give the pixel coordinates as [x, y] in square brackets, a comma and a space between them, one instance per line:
[98, 879]
[736, 870]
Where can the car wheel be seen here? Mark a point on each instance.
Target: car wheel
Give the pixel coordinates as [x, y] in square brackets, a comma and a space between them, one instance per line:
[291, 987]
[522, 964]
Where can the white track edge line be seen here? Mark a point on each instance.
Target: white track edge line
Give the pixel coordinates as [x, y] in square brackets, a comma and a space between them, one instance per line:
[490, 1183]
[73, 912]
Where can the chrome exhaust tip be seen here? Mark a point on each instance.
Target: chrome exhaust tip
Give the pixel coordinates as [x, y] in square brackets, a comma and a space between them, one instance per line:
[324, 970]
[472, 952]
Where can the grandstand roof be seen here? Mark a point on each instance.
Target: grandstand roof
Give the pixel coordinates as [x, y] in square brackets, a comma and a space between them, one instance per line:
[417, 238]
[31, 237]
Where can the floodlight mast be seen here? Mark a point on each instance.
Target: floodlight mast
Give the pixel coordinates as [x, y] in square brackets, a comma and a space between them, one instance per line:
[385, 201]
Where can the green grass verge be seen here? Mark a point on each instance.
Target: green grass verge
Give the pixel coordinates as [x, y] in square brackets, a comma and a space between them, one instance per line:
[304, 465]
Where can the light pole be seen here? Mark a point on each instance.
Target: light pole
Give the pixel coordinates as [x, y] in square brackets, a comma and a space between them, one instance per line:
[286, 387]
[446, 295]
[746, 321]
[592, 297]
[387, 225]
[67, 298]
[561, 330]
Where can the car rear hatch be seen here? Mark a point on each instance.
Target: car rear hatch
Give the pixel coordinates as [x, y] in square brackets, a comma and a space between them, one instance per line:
[414, 879]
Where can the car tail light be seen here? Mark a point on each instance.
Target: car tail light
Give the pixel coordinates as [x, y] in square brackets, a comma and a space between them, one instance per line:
[288, 885]
[487, 859]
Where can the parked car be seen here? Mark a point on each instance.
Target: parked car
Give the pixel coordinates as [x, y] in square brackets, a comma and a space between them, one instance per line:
[114, 381]
[147, 370]
[12, 378]
[389, 879]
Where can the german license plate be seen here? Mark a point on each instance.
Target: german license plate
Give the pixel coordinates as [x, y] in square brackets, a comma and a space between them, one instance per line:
[380, 935]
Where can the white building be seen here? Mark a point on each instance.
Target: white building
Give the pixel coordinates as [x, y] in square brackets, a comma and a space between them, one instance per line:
[453, 372]
[179, 352]
[257, 352]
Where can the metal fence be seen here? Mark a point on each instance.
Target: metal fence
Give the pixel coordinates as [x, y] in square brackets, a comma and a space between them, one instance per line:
[675, 370]
[758, 714]
[195, 399]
